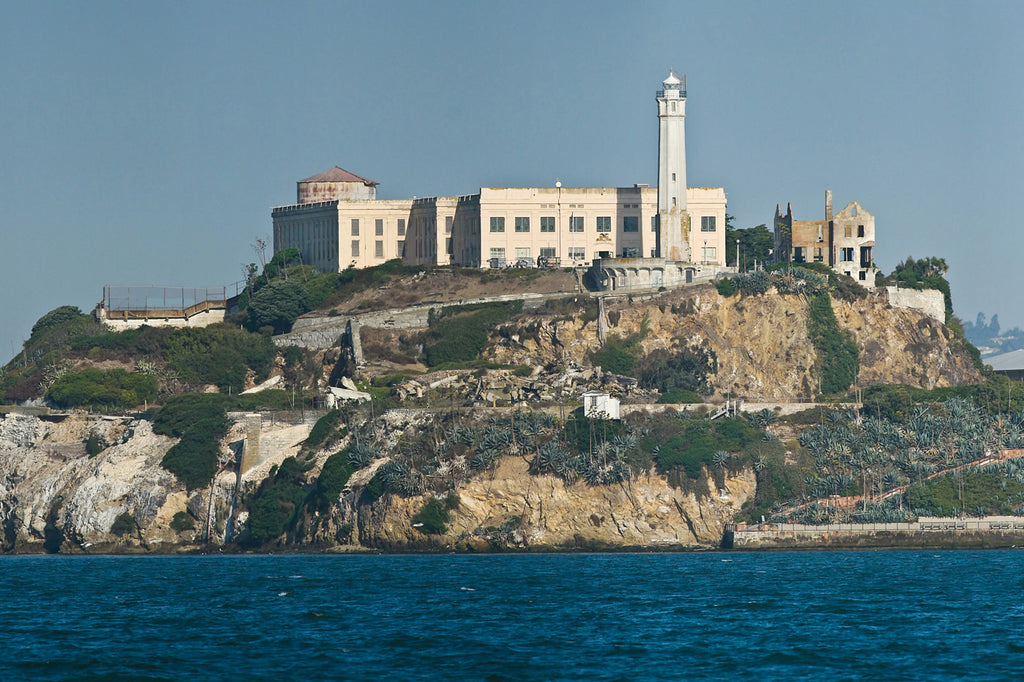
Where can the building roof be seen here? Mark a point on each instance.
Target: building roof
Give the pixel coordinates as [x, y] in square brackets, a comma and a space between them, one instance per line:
[337, 174]
[1006, 362]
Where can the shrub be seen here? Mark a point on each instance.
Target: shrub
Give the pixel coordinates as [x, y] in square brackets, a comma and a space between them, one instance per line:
[199, 420]
[95, 444]
[332, 480]
[277, 305]
[726, 287]
[113, 389]
[459, 334]
[680, 395]
[124, 524]
[686, 369]
[838, 357]
[182, 522]
[328, 429]
[615, 357]
[432, 519]
[219, 354]
[275, 506]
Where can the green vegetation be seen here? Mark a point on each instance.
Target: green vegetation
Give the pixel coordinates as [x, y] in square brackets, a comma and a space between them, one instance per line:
[619, 355]
[275, 507]
[925, 273]
[95, 444]
[686, 446]
[435, 515]
[182, 522]
[725, 286]
[969, 492]
[219, 354]
[124, 524]
[328, 430]
[458, 334]
[333, 477]
[200, 421]
[838, 358]
[113, 389]
[756, 244]
[680, 374]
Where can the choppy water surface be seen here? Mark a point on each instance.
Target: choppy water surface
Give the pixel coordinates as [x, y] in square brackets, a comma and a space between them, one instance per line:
[800, 615]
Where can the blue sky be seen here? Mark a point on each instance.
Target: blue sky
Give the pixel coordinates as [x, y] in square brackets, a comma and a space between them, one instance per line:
[144, 143]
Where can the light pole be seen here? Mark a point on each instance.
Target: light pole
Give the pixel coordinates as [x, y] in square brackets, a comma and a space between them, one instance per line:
[737, 255]
[704, 254]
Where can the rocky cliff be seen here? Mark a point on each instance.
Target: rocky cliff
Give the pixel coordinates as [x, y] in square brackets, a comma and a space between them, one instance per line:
[54, 496]
[79, 483]
[761, 342]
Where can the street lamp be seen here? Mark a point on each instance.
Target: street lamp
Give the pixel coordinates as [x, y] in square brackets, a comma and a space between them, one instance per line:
[704, 254]
[737, 255]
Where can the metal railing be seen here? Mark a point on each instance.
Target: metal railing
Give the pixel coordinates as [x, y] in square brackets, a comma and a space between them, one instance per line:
[127, 302]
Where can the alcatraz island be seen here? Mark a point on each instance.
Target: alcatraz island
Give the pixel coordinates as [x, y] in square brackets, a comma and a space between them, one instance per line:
[519, 369]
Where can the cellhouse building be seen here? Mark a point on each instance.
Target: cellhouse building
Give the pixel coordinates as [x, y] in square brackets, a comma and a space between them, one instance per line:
[634, 237]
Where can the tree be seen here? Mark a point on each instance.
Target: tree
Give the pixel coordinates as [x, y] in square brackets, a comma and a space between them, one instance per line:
[756, 244]
[277, 305]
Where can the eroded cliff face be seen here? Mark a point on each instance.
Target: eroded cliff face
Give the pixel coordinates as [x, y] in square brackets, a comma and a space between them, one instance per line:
[509, 507]
[761, 342]
[53, 493]
[51, 488]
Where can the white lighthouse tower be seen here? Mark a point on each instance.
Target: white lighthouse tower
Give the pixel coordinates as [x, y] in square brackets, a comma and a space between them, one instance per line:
[673, 219]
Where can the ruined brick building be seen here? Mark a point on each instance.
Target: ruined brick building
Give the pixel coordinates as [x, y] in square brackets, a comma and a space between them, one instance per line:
[844, 241]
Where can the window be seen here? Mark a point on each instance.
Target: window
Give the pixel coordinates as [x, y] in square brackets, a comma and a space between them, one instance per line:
[401, 247]
[817, 254]
[547, 224]
[577, 253]
[497, 223]
[654, 223]
[707, 223]
[860, 230]
[522, 252]
[498, 252]
[631, 252]
[673, 202]
[710, 253]
[604, 223]
[862, 275]
[547, 252]
[378, 227]
[448, 222]
[576, 223]
[673, 177]
[853, 211]
[847, 232]
[630, 223]
[846, 254]
[355, 227]
[355, 248]
[798, 254]
[378, 249]
[522, 224]
[401, 227]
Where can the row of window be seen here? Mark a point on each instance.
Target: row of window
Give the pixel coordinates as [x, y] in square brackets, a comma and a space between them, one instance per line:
[579, 252]
[630, 223]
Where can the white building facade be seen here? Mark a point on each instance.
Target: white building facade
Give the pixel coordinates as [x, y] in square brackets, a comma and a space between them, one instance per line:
[339, 223]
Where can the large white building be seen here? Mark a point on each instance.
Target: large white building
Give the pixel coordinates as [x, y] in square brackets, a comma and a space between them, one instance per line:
[337, 222]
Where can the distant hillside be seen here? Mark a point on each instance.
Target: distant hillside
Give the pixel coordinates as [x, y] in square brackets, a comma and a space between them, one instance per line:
[990, 339]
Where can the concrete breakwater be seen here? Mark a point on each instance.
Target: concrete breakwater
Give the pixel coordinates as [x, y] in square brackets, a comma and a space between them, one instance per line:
[989, 531]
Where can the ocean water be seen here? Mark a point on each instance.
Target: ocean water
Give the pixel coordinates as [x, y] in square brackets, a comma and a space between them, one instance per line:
[907, 615]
